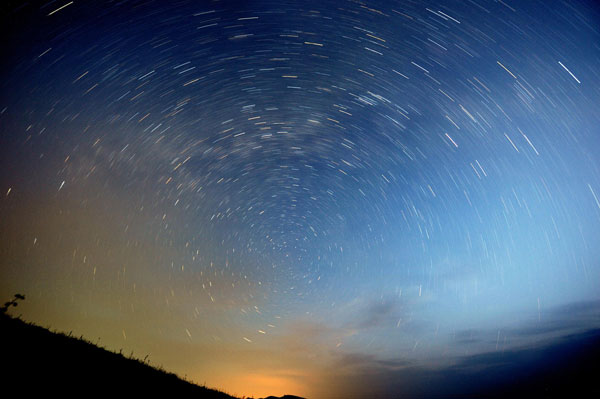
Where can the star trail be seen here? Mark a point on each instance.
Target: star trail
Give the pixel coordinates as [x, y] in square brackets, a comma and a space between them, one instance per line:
[290, 196]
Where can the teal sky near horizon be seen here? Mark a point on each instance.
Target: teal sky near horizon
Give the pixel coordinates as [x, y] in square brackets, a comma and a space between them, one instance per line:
[282, 197]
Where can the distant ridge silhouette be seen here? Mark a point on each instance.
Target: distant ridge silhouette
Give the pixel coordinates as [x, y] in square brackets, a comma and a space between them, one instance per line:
[284, 397]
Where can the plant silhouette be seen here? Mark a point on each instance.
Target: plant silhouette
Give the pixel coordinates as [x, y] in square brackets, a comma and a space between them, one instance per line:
[12, 302]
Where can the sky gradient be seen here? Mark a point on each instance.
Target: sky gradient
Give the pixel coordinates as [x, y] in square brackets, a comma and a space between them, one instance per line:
[321, 198]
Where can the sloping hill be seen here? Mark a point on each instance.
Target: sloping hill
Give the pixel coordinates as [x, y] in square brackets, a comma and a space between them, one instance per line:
[37, 361]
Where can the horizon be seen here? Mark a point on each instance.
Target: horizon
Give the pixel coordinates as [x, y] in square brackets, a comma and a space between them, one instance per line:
[324, 199]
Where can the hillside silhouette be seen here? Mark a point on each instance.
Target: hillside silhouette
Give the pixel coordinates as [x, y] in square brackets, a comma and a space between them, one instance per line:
[36, 361]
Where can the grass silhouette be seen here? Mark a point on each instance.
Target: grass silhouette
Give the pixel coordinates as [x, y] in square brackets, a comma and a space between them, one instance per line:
[36, 361]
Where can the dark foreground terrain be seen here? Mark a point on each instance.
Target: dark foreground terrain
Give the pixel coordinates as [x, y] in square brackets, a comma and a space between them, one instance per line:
[34, 360]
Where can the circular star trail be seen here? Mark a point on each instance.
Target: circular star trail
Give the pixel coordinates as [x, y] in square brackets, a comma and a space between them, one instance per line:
[376, 176]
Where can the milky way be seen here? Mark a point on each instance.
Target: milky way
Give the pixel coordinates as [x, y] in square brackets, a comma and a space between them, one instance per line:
[302, 183]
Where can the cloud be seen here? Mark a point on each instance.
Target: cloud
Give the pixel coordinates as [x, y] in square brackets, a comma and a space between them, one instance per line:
[555, 322]
[554, 369]
[552, 366]
[367, 363]
[555, 356]
[467, 337]
[378, 314]
[390, 312]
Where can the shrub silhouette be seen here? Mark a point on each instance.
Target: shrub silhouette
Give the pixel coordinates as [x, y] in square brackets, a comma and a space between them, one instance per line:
[12, 302]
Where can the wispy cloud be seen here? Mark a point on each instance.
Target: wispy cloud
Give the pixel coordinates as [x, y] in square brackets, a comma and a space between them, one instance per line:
[538, 354]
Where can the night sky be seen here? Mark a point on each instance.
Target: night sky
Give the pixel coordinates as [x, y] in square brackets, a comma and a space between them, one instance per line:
[322, 198]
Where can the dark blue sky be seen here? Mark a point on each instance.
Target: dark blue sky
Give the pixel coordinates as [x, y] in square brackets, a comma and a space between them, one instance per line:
[276, 187]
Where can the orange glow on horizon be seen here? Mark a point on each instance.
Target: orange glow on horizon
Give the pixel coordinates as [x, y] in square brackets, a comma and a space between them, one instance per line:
[260, 384]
